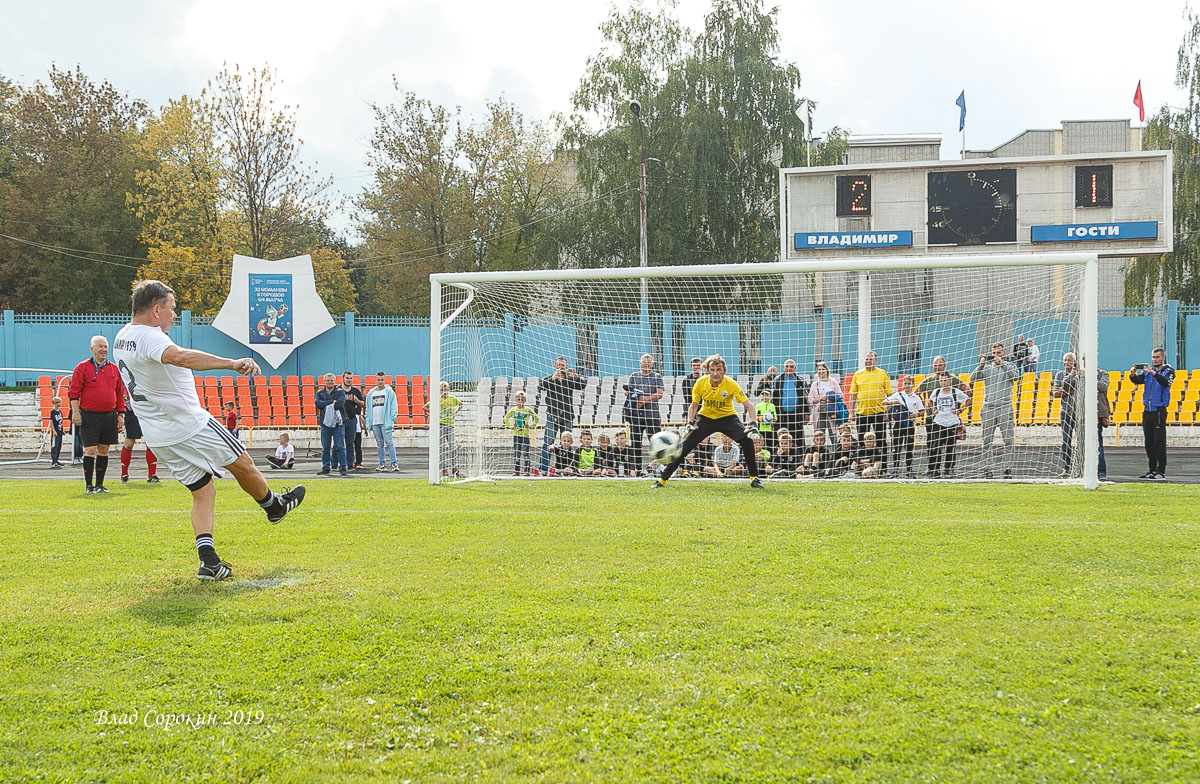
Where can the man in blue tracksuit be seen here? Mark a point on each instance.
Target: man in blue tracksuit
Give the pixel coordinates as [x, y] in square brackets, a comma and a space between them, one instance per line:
[1156, 379]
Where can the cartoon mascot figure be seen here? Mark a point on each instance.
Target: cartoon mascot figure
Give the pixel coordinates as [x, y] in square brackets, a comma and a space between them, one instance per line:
[267, 327]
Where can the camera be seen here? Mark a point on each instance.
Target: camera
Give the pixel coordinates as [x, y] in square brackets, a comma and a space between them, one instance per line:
[1142, 365]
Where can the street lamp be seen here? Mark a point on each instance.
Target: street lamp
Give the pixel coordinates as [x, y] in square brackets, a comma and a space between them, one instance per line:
[635, 108]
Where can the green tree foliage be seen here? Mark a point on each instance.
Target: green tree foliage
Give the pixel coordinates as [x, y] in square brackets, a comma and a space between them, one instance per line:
[223, 176]
[718, 114]
[1177, 274]
[68, 162]
[449, 196]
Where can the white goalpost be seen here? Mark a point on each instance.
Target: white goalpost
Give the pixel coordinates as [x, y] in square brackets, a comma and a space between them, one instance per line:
[496, 334]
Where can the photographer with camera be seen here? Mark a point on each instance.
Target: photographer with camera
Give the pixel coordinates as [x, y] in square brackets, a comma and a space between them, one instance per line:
[642, 393]
[1156, 378]
[996, 413]
[1068, 383]
[558, 394]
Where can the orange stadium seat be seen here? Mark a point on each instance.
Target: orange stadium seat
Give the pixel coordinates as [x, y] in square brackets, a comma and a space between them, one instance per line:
[401, 381]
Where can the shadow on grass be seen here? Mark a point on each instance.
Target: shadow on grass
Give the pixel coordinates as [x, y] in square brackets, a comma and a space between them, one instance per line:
[182, 603]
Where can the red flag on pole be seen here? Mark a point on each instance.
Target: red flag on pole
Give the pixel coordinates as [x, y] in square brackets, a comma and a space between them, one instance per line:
[1137, 101]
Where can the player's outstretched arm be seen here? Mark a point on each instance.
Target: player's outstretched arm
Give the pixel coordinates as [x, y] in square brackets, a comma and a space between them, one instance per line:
[194, 359]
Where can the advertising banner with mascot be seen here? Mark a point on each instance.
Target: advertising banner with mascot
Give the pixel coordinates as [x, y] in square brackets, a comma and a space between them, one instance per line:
[273, 306]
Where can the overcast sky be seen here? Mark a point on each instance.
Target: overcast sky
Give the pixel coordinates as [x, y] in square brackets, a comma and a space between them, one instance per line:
[873, 66]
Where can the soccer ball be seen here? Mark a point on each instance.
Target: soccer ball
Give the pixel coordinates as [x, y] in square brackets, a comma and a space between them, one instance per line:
[665, 447]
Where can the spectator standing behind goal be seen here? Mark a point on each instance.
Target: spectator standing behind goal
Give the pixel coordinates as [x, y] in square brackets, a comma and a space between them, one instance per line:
[690, 380]
[381, 413]
[448, 408]
[522, 420]
[789, 392]
[1032, 354]
[1103, 418]
[193, 444]
[711, 412]
[997, 376]
[825, 400]
[1067, 385]
[1020, 353]
[644, 390]
[558, 395]
[97, 397]
[1156, 379]
[868, 389]
[945, 405]
[931, 384]
[903, 409]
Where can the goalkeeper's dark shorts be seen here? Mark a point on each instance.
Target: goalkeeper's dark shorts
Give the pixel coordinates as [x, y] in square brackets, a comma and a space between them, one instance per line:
[727, 425]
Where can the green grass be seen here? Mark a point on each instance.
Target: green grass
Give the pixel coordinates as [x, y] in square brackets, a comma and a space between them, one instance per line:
[594, 631]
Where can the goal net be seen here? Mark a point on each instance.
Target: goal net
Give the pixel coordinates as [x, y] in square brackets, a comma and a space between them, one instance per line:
[497, 337]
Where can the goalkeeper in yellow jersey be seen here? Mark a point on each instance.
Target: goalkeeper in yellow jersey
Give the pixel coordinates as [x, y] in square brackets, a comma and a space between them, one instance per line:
[711, 412]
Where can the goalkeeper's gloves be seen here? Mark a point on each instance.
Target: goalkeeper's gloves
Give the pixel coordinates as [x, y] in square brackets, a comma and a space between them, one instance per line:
[688, 427]
[752, 431]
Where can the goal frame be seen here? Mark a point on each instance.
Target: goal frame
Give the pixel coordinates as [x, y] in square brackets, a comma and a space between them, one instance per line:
[1087, 350]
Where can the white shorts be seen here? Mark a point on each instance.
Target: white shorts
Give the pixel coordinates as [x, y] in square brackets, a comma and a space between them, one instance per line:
[203, 455]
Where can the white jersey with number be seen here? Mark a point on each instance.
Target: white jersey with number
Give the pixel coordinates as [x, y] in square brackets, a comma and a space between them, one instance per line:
[163, 395]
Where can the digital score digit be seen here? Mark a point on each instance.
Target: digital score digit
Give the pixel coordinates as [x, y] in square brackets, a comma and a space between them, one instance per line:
[853, 195]
[1093, 186]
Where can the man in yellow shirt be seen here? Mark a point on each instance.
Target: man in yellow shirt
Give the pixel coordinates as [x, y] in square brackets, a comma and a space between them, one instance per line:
[711, 412]
[868, 389]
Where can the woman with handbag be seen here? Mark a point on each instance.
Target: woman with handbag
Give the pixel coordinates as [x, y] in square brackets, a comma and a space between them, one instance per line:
[825, 401]
[946, 402]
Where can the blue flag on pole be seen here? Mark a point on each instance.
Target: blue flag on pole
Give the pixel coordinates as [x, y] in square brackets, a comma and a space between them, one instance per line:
[962, 105]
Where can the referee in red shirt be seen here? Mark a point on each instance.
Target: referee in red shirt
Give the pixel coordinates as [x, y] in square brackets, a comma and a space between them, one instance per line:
[97, 409]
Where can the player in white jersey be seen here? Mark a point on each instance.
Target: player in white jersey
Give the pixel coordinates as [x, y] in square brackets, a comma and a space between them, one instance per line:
[194, 445]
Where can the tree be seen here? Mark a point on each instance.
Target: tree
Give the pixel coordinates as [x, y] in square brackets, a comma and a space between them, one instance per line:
[71, 160]
[451, 197]
[717, 112]
[178, 199]
[222, 177]
[1177, 274]
[270, 191]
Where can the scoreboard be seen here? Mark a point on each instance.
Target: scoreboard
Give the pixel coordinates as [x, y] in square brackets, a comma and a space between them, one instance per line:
[1116, 205]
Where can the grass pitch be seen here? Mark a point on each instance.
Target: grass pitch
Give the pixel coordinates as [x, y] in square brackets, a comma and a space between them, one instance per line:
[556, 631]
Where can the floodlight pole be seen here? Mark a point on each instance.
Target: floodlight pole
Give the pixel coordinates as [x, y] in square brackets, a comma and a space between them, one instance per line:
[635, 109]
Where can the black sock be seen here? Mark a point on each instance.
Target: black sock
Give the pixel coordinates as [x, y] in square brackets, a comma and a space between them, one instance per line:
[89, 465]
[270, 501]
[101, 467]
[208, 553]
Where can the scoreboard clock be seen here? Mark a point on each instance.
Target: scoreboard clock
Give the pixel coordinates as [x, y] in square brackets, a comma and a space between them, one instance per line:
[1114, 204]
[972, 207]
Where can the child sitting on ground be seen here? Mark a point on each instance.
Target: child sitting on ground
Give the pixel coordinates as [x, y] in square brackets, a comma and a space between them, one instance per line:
[818, 460]
[869, 464]
[586, 455]
[846, 455]
[285, 453]
[620, 459]
[726, 459]
[786, 460]
[604, 455]
[566, 459]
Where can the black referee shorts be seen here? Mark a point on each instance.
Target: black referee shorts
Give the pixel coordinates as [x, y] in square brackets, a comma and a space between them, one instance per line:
[133, 428]
[98, 427]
